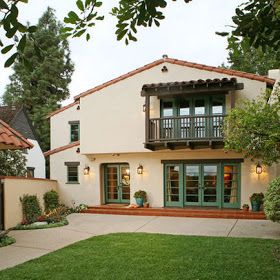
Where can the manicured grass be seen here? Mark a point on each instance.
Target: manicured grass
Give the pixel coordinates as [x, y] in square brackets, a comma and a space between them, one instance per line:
[153, 256]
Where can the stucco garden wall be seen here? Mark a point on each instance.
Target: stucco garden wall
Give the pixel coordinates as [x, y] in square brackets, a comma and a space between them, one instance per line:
[16, 187]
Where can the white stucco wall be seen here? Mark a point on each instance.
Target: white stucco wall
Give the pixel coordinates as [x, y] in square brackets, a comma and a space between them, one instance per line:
[36, 159]
[113, 120]
[90, 188]
[60, 128]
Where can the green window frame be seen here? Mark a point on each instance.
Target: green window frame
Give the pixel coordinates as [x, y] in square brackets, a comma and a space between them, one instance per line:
[74, 131]
[72, 175]
[228, 180]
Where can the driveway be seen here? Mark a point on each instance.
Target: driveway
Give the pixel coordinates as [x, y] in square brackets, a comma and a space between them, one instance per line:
[35, 243]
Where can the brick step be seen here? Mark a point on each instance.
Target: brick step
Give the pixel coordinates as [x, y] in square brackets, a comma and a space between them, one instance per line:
[226, 214]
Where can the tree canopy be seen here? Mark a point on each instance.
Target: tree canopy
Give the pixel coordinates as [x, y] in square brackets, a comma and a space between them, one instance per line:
[252, 128]
[257, 21]
[12, 163]
[40, 81]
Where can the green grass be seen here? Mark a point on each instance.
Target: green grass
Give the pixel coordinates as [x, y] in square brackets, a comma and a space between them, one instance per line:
[6, 240]
[50, 225]
[152, 256]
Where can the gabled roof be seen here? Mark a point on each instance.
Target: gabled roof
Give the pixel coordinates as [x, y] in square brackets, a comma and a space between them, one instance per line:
[17, 118]
[230, 72]
[11, 139]
[63, 148]
[181, 63]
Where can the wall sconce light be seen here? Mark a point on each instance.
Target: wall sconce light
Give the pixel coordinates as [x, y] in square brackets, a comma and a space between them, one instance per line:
[78, 150]
[127, 171]
[144, 108]
[78, 107]
[86, 170]
[259, 169]
[140, 169]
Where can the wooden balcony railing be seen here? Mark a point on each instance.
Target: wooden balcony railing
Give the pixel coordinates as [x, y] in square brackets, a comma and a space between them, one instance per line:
[189, 128]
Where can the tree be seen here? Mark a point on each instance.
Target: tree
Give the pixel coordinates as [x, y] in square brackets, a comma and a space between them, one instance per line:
[244, 57]
[40, 81]
[253, 128]
[257, 21]
[12, 163]
[130, 14]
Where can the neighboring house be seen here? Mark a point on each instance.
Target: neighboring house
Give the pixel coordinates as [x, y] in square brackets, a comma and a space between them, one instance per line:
[157, 128]
[11, 139]
[17, 118]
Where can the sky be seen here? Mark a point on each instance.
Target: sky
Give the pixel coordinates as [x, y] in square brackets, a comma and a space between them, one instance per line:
[187, 33]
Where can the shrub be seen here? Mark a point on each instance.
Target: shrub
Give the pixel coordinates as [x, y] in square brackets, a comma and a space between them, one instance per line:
[51, 200]
[272, 201]
[30, 208]
[56, 215]
[257, 197]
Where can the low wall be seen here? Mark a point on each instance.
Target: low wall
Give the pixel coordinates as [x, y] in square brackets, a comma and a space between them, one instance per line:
[16, 187]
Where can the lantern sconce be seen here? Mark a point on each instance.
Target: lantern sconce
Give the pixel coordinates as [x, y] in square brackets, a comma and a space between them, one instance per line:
[127, 171]
[140, 169]
[144, 108]
[259, 169]
[78, 150]
[86, 170]
[78, 107]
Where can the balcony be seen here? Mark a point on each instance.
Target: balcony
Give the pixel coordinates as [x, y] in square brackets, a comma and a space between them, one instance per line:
[184, 132]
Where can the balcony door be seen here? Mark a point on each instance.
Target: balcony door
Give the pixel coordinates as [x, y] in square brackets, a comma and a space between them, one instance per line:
[189, 118]
[117, 183]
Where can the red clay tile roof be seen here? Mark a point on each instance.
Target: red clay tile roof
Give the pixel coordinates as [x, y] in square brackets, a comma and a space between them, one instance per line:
[63, 108]
[63, 148]
[172, 61]
[11, 138]
[182, 63]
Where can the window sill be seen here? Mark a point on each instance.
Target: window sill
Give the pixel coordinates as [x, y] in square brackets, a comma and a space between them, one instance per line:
[72, 183]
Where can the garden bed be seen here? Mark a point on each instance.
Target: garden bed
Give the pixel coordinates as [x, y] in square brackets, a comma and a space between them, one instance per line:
[6, 240]
[64, 222]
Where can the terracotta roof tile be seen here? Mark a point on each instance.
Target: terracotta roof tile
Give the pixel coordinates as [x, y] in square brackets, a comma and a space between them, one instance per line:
[63, 108]
[63, 148]
[11, 138]
[172, 61]
[182, 63]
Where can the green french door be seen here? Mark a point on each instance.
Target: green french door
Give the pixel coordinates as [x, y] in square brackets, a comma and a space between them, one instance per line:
[117, 183]
[192, 184]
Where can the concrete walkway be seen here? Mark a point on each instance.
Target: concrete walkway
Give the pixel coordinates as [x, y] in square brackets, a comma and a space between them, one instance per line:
[35, 243]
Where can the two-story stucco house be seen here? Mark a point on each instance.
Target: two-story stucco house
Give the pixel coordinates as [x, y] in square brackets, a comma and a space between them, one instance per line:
[157, 128]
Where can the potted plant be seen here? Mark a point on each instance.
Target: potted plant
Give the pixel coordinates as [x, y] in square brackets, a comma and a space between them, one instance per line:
[140, 197]
[245, 207]
[256, 201]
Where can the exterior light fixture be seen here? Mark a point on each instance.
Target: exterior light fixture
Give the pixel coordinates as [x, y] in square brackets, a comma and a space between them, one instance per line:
[140, 169]
[78, 107]
[127, 171]
[78, 150]
[259, 169]
[86, 170]
[144, 108]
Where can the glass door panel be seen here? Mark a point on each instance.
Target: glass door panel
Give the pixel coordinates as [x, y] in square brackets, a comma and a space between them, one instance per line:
[117, 183]
[231, 179]
[184, 121]
[199, 120]
[167, 124]
[111, 184]
[217, 112]
[125, 183]
[192, 184]
[172, 190]
[209, 194]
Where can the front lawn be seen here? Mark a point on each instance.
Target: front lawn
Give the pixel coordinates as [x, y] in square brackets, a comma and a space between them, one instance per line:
[153, 256]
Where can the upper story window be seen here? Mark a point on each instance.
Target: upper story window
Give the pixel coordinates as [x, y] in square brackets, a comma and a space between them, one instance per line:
[74, 131]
